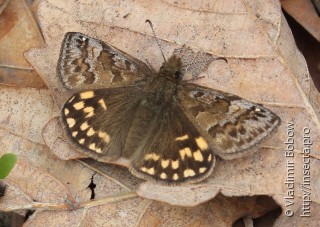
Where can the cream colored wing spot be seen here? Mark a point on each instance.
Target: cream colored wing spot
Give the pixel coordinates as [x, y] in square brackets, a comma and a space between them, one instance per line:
[74, 134]
[163, 176]
[197, 155]
[92, 146]
[66, 111]
[98, 150]
[84, 126]
[182, 138]
[185, 152]
[149, 171]
[202, 169]
[175, 176]
[89, 110]
[81, 141]
[90, 132]
[71, 122]
[165, 163]
[152, 156]
[103, 104]
[209, 157]
[104, 136]
[71, 99]
[202, 144]
[175, 164]
[78, 105]
[188, 173]
[87, 95]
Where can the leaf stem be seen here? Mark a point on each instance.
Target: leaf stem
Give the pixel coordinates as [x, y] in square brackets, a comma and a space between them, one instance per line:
[66, 206]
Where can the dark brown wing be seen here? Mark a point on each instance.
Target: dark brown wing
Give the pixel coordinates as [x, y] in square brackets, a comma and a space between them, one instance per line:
[230, 124]
[98, 121]
[88, 63]
[172, 150]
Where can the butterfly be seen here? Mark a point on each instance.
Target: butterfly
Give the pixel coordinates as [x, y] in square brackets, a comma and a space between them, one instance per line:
[169, 129]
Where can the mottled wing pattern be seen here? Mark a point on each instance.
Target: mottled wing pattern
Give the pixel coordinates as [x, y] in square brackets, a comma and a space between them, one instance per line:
[193, 62]
[98, 120]
[173, 152]
[88, 63]
[230, 124]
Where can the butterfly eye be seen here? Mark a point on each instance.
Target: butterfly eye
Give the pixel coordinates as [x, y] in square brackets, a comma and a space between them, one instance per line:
[177, 75]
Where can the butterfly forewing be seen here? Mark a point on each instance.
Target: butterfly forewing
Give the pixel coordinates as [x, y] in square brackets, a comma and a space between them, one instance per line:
[87, 63]
[98, 120]
[231, 124]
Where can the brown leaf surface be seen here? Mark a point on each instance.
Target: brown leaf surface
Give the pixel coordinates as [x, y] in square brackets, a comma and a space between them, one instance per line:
[14, 77]
[18, 33]
[305, 13]
[263, 66]
[3, 5]
[30, 185]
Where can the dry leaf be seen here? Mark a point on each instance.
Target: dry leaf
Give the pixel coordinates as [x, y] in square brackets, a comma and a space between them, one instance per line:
[3, 5]
[263, 66]
[14, 77]
[18, 33]
[304, 13]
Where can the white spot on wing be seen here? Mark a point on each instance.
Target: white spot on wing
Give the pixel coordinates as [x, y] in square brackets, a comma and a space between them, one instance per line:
[90, 132]
[84, 126]
[66, 111]
[175, 164]
[152, 156]
[89, 110]
[175, 176]
[86, 95]
[163, 176]
[202, 144]
[197, 155]
[189, 173]
[165, 163]
[181, 138]
[104, 136]
[81, 141]
[185, 152]
[78, 105]
[202, 169]
[103, 104]
[74, 134]
[71, 122]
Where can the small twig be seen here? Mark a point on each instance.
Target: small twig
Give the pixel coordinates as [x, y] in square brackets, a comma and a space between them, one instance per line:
[107, 200]
[65, 206]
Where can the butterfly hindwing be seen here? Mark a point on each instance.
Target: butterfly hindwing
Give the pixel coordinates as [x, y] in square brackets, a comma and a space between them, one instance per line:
[231, 124]
[173, 152]
[98, 120]
[88, 63]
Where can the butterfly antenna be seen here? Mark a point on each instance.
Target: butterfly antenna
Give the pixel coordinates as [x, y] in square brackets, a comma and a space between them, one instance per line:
[157, 40]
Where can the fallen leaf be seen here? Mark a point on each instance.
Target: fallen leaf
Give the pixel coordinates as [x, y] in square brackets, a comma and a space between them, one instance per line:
[14, 77]
[304, 12]
[264, 66]
[3, 5]
[18, 33]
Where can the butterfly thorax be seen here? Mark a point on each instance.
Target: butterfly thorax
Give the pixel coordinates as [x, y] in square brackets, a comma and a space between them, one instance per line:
[162, 87]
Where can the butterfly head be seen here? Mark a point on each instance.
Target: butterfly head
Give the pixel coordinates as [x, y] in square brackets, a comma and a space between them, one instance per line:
[172, 68]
